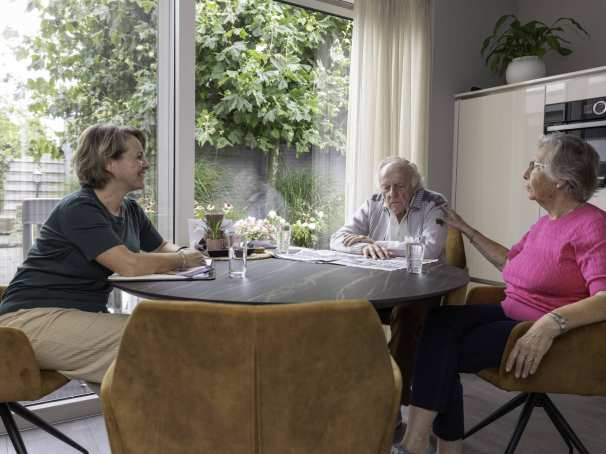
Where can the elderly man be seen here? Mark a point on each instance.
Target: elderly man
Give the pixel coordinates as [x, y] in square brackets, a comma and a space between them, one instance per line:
[379, 229]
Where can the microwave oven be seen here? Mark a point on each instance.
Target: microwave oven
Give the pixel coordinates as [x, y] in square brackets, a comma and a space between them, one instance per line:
[584, 118]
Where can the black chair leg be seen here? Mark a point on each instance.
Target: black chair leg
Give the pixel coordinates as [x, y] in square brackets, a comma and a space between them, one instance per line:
[562, 425]
[501, 411]
[11, 429]
[558, 426]
[42, 424]
[522, 422]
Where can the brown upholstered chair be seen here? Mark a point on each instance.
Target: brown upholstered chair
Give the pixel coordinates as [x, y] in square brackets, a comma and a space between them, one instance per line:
[454, 251]
[22, 380]
[575, 364]
[194, 377]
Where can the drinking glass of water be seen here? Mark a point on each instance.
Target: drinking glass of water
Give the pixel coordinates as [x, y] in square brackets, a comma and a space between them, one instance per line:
[414, 254]
[283, 239]
[238, 251]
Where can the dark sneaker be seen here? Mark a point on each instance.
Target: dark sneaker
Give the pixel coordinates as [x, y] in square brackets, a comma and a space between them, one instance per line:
[398, 433]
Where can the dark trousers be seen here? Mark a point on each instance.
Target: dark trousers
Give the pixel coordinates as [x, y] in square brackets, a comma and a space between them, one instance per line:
[406, 324]
[456, 339]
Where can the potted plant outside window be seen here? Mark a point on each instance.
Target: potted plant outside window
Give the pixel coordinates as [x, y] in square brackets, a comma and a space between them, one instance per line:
[518, 49]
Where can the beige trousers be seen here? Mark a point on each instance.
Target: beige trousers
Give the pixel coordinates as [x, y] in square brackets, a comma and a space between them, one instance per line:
[78, 344]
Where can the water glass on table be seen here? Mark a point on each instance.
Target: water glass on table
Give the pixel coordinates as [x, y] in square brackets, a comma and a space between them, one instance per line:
[414, 255]
[283, 242]
[238, 251]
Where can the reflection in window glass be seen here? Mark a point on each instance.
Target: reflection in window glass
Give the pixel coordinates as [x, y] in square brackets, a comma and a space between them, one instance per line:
[271, 113]
[65, 65]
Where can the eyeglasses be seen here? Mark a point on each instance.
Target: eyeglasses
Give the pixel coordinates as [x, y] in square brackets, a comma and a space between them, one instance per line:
[534, 164]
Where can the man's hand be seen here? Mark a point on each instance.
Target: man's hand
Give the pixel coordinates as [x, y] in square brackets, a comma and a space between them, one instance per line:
[349, 239]
[374, 251]
[529, 350]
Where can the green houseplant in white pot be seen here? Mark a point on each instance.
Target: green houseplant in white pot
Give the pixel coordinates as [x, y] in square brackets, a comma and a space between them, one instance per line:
[517, 49]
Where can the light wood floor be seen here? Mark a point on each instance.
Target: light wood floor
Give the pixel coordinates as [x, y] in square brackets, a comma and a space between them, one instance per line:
[586, 415]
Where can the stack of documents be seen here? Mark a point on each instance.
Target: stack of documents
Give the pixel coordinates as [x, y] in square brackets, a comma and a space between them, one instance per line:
[199, 273]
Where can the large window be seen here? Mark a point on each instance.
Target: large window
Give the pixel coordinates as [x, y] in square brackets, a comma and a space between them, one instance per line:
[65, 65]
[271, 111]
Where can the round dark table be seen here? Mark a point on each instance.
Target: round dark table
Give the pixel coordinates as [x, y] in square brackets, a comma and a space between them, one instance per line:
[276, 281]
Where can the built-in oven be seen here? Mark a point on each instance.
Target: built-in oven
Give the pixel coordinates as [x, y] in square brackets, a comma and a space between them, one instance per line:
[586, 119]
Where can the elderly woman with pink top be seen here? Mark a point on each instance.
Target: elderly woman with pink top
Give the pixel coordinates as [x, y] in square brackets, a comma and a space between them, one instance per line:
[556, 275]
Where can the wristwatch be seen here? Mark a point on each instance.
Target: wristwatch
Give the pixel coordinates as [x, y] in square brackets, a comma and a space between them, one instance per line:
[560, 320]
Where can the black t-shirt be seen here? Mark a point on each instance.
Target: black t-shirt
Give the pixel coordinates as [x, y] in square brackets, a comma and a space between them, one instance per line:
[60, 269]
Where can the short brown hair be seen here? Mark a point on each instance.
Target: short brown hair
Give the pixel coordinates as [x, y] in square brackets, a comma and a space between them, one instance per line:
[96, 146]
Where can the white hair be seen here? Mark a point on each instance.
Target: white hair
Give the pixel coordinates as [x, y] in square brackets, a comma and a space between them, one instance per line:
[573, 161]
[409, 168]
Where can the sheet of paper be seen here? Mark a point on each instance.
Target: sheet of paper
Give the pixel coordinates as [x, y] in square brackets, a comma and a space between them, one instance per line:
[197, 273]
[345, 259]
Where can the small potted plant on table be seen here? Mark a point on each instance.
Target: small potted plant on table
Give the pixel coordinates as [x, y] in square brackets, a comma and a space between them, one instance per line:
[214, 223]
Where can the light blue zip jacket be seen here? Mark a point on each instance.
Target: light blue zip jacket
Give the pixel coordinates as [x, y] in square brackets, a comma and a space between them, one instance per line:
[372, 220]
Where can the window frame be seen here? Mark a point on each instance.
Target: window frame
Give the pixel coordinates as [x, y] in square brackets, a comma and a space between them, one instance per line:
[176, 147]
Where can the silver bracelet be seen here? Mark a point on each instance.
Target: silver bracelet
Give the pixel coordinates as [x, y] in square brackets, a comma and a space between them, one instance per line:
[560, 320]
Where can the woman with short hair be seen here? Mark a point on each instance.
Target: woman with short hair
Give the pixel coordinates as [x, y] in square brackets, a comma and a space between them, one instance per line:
[555, 275]
[59, 294]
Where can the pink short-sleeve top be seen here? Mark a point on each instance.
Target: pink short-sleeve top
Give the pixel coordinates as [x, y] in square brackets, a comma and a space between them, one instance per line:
[557, 262]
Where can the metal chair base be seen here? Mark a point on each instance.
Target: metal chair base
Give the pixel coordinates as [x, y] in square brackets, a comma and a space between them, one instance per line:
[13, 431]
[530, 401]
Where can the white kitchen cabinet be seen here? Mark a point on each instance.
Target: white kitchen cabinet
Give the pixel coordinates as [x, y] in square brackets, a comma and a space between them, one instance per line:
[576, 88]
[496, 137]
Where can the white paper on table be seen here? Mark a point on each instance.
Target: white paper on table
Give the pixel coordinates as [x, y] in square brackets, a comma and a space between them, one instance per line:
[196, 273]
[345, 259]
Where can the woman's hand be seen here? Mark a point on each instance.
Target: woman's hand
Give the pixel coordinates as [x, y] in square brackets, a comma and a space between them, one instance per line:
[454, 220]
[192, 257]
[349, 239]
[529, 349]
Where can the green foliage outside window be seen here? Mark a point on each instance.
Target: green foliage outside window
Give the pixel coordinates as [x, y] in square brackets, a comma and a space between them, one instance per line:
[267, 74]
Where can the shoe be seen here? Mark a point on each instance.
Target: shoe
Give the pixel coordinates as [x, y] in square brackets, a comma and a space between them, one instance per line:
[399, 449]
[398, 433]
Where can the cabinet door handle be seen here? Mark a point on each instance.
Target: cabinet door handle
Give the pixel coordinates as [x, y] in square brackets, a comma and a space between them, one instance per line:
[587, 124]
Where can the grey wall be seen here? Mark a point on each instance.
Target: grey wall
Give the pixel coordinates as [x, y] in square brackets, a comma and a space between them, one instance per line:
[458, 29]
[591, 14]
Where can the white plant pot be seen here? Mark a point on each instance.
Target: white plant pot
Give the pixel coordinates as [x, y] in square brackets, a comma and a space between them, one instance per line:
[524, 68]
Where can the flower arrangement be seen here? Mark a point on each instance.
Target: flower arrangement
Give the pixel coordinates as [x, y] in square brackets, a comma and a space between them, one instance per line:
[260, 229]
[305, 231]
[254, 229]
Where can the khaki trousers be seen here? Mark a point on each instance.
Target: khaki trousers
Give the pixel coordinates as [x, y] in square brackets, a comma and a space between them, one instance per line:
[78, 344]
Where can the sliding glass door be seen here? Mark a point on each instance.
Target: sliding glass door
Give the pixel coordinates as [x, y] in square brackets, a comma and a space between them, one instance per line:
[271, 112]
[65, 65]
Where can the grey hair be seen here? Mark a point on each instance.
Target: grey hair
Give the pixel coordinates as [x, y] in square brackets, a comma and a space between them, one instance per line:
[410, 168]
[573, 161]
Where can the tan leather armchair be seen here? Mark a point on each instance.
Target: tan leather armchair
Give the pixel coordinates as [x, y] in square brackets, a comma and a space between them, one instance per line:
[195, 377]
[575, 364]
[454, 250]
[22, 380]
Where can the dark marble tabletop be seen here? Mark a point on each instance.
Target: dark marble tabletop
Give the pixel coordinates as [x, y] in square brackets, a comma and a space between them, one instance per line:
[275, 281]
